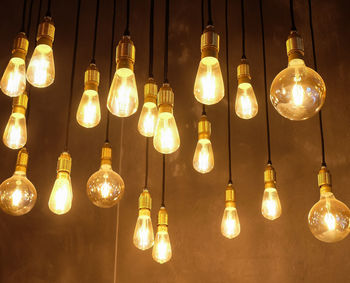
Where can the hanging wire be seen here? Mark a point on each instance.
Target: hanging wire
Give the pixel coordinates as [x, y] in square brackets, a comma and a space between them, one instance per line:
[243, 30]
[228, 96]
[72, 75]
[126, 31]
[93, 59]
[166, 41]
[202, 16]
[291, 7]
[151, 36]
[265, 86]
[210, 18]
[163, 182]
[24, 16]
[29, 18]
[48, 13]
[146, 159]
[315, 67]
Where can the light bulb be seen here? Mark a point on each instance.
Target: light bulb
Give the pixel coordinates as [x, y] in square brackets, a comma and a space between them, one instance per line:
[209, 86]
[230, 225]
[41, 68]
[297, 92]
[17, 194]
[203, 159]
[105, 188]
[89, 112]
[15, 134]
[166, 139]
[13, 81]
[329, 218]
[271, 206]
[161, 252]
[143, 233]
[122, 97]
[149, 113]
[61, 197]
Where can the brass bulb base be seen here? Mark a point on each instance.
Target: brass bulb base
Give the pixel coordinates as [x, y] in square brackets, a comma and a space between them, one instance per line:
[22, 160]
[20, 46]
[125, 53]
[46, 32]
[145, 200]
[92, 78]
[324, 180]
[210, 43]
[204, 128]
[295, 46]
[269, 177]
[64, 164]
[165, 96]
[144, 212]
[150, 91]
[20, 103]
[106, 154]
[230, 196]
[162, 217]
[243, 74]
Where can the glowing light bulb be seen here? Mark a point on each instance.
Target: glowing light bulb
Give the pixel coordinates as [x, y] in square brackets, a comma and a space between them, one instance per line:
[297, 92]
[17, 194]
[105, 188]
[41, 68]
[230, 225]
[13, 81]
[166, 139]
[143, 233]
[61, 197]
[149, 113]
[209, 86]
[15, 134]
[161, 252]
[203, 159]
[89, 112]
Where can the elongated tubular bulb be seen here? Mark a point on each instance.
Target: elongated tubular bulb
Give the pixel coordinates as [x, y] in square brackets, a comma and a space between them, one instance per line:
[13, 81]
[15, 134]
[41, 68]
[230, 225]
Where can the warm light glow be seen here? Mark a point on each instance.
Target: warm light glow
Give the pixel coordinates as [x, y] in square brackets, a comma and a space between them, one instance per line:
[246, 106]
[330, 221]
[61, 197]
[15, 134]
[203, 159]
[13, 81]
[230, 226]
[298, 93]
[209, 85]
[123, 98]
[161, 252]
[148, 119]
[16, 197]
[143, 233]
[89, 112]
[271, 205]
[41, 68]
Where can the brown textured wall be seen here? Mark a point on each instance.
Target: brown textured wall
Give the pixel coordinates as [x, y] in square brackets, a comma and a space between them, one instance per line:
[79, 247]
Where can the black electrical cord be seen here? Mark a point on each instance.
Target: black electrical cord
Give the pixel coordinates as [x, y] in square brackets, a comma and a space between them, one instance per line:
[265, 85]
[126, 31]
[146, 160]
[291, 7]
[228, 96]
[151, 36]
[72, 75]
[202, 16]
[315, 67]
[243, 30]
[166, 41]
[48, 13]
[29, 18]
[163, 182]
[24, 16]
[93, 59]
[210, 18]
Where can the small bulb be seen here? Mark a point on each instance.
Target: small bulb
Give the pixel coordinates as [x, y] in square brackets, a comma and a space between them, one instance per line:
[271, 206]
[15, 134]
[209, 86]
[161, 252]
[89, 113]
[143, 233]
[203, 159]
[246, 106]
[41, 68]
[148, 119]
[230, 226]
[61, 197]
[13, 81]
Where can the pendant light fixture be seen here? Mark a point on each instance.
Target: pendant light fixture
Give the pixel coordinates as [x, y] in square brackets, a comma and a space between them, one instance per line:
[203, 159]
[41, 68]
[329, 218]
[209, 86]
[246, 106]
[13, 81]
[271, 206]
[143, 234]
[61, 197]
[122, 97]
[297, 92]
[105, 188]
[89, 112]
[230, 225]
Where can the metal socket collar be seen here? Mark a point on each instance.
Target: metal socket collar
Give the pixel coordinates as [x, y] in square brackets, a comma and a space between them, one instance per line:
[20, 103]
[166, 96]
[64, 163]
[22, 160]
[230, 196]
[243, 74]
[324, 180]
[92, 78]
[145, 200]
[204, 128]
[20, 46]
[150, 91]
[106, 154]
[46, 32]
[210, 42]
[269, 177]
[125, 53]
[162, 217]
[295, 46]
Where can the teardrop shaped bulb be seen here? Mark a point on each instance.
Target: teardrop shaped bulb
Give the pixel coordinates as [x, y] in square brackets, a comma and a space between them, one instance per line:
[246, 106]
[13, 81]
[89, 112]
